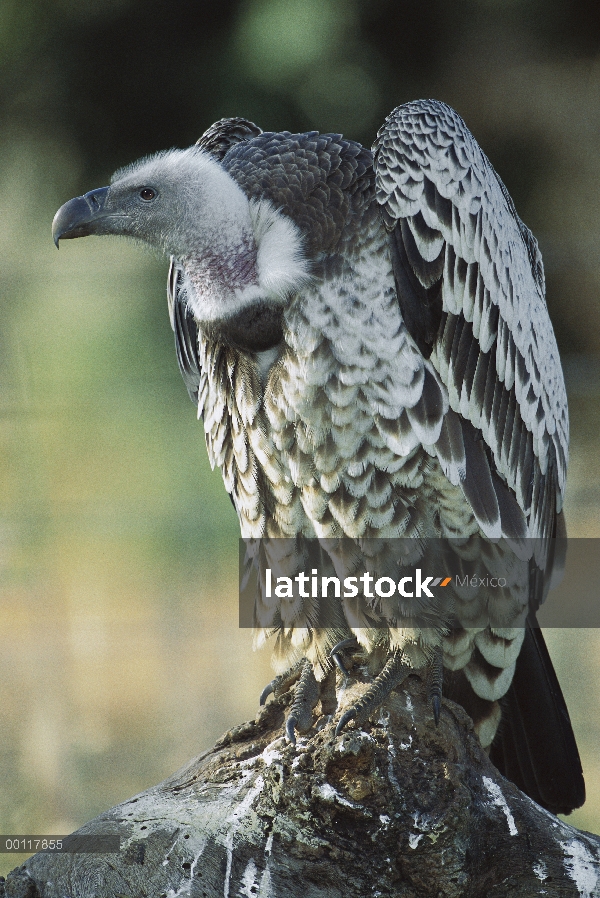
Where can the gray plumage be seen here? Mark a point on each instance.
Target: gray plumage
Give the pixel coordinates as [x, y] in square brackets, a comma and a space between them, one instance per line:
[495, 348]
[366, 337]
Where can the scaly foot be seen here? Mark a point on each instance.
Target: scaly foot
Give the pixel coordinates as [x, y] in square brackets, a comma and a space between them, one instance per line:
[393, 674]
[307, 695]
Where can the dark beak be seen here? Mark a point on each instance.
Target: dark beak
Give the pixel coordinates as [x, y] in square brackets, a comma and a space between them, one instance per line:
[80, 216]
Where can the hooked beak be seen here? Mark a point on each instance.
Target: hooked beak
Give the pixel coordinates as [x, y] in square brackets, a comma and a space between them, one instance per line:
[80, 216]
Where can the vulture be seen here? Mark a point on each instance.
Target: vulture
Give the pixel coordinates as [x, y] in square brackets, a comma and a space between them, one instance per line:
[366, 338]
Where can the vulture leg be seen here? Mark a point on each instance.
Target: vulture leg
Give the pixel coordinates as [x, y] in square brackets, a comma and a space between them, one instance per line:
[308, 693]
[336, 653]
[283, 682]
[393, 674]
[435, 682]
[305, 699]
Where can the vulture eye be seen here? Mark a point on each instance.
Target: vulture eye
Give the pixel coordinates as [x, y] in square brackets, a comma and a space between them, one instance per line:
[147, 194]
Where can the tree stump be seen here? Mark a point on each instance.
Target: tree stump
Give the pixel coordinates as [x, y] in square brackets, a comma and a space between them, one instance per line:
[398, 807]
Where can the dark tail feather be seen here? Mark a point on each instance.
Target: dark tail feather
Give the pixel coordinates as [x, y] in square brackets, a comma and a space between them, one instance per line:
[535, 746]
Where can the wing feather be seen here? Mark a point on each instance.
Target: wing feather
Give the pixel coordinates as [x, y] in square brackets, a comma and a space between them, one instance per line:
[478, 485]
[464, 261]
[225, 134]
[185, 330]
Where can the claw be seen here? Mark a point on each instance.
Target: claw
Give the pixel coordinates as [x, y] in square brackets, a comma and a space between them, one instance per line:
[344, 644]
[345, 718]
[269, 688]
[393, 674]
[336, 653]
[282, 682]
[290, 729]
[340, 664]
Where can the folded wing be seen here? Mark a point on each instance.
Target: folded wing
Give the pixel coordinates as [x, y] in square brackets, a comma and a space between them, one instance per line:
[470, 283]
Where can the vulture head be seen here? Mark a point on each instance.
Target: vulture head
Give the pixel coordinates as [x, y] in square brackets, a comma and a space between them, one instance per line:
[239, 256]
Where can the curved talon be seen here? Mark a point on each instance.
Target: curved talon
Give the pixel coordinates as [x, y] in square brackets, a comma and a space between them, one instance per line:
[345, 718]
[267, 691]
[394, 672]
[290, 729]
[336, 653]
[344, 644]
[337, 659]
[282, 682]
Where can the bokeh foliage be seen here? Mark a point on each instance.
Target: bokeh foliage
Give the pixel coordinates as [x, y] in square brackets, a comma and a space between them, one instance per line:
[119, 653]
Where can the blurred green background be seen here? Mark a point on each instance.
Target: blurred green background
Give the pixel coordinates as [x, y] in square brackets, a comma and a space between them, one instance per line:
[120, 656]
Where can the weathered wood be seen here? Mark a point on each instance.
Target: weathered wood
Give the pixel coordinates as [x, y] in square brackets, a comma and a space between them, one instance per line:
[397, 807]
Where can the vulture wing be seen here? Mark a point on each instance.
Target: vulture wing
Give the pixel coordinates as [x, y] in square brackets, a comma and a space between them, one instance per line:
[224, 134]
[185, 330]
[217, 141]
[470, 282]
